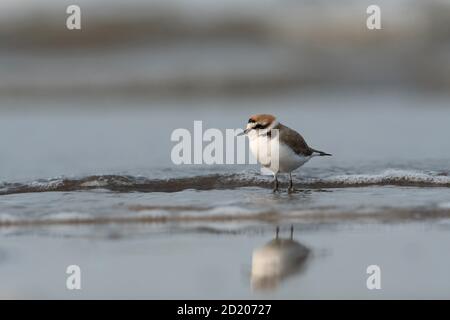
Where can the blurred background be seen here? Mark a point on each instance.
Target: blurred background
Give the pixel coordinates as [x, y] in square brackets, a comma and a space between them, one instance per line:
[104, 100]
[77, 101]
[197, 47]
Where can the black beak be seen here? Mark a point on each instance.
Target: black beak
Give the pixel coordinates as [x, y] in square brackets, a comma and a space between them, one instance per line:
[243, 132]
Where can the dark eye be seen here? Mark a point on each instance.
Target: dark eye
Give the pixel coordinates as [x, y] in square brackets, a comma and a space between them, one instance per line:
[251, 120]
[258, 126]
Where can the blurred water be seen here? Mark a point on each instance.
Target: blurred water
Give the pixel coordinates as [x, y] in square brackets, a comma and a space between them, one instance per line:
[172, 48]
[85, 169]
[181, 262]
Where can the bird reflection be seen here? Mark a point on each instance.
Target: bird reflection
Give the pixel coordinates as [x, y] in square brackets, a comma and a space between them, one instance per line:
[277, 260]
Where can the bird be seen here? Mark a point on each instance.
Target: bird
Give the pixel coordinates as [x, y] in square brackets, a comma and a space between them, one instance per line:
[278, 147]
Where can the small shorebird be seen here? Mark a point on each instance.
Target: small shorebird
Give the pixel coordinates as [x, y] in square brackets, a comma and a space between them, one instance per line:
[277, 147]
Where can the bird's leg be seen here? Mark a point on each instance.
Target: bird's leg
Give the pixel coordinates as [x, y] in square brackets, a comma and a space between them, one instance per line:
[291, 188]
[277, 231]
[275, 183]
[292, 232]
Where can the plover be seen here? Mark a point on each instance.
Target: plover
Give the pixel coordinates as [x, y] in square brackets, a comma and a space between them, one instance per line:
[277, 147]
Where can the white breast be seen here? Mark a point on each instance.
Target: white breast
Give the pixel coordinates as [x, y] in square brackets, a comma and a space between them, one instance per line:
[265, 150]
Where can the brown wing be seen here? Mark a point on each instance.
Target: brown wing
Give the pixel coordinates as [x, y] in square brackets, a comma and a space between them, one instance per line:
[294, 140]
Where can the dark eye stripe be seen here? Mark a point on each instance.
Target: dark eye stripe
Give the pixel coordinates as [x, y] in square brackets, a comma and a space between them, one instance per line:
[251, 120]
[260, 126]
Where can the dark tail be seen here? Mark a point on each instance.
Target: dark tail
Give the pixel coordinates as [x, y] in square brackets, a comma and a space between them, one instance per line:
[321, 153]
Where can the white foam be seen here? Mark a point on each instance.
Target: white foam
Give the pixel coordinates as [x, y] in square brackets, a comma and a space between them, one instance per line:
[94, 183]
[48, 184]
[229, 210]
[68, 216]
[391, 175]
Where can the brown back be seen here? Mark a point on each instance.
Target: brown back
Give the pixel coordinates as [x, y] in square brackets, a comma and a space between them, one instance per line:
[294, 140]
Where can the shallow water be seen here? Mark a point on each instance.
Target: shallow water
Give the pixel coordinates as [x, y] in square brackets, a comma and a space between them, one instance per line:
[173, 261]
[255, 203]
[389, 152]
[100, 181]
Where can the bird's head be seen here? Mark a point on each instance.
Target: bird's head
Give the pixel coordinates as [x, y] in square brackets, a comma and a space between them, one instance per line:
[260, 122]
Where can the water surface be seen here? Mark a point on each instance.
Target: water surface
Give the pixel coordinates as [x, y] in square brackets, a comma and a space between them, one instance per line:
[95, 186]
